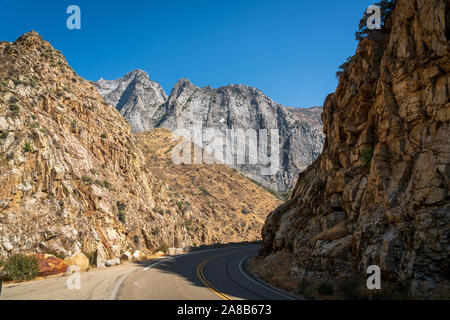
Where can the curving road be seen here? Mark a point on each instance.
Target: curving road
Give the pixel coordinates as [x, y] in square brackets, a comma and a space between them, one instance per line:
[204, 275]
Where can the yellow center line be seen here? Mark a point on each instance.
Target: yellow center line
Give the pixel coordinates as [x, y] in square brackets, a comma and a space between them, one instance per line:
[201, 276]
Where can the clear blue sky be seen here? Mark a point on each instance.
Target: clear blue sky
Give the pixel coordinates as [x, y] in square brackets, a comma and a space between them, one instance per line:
[289, 49]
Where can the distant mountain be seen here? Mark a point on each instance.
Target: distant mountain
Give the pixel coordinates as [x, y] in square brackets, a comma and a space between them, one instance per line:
[233, 106]
[135, 96]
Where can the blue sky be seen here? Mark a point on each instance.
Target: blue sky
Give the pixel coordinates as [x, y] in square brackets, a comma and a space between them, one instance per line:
[290, 49]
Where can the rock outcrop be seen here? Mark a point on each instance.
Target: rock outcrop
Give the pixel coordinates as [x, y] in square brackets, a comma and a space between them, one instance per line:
[379, 193]
[234, 106]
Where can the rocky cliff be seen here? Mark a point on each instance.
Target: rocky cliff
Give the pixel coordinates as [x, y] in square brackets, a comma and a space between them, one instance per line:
[136, 97]
[73, 176]
[234, 106]
[379, 193]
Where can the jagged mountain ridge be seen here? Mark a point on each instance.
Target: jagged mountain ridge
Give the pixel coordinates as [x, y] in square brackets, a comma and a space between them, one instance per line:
[74, 177]
[136, 97]
[379, 193]
[238, 106]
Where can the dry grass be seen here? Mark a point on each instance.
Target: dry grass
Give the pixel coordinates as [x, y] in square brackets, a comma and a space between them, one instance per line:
[229, 205]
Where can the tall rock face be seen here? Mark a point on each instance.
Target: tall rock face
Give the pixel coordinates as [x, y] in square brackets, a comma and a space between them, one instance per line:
[136, 97]
[379, 193]
[237, 107]
[72, 175]
[243, 107]
[74, 178]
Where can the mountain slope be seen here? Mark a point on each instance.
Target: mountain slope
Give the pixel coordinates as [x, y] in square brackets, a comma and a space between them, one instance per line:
[378, 194]
[239, 106]
[73, 176]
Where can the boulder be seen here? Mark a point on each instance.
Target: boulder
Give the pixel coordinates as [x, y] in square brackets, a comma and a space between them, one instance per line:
[126, 256]
[50, 265]
[136, 255]
[112, 262]
[100, 257]
[78, 259]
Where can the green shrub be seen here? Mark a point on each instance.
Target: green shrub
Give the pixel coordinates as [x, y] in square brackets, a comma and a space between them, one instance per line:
[87, 179]
[104, 135]
[122, 216]
[59, 255]
[34, 125]
[303, 286]
[163, 247]
[366, 155]
[121, 206]
[349, 288]
[180, 205]
[343, 67]
[104, 184]
[187, 224]
[91, 257]
[14, 108]
[136, 239]
[27, 147]
[20, 268]
[320, 185]
[4, 135]
[325, 289]
[245, 211]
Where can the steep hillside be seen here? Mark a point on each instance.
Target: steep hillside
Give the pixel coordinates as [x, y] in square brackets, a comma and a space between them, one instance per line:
[234, 106]
[225, 205]
[379, 193]
[72, 176]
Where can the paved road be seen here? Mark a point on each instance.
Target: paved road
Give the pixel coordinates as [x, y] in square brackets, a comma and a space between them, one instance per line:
[98, 284]
[204, 275]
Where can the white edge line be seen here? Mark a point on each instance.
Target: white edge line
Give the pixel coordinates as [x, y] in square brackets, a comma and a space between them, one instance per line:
[261, 284]
[125, 276]
[156, 263]
[119, 284]
[191, 253]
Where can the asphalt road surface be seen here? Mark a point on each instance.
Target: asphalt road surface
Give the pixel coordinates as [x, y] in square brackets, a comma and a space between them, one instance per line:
[217, 274]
